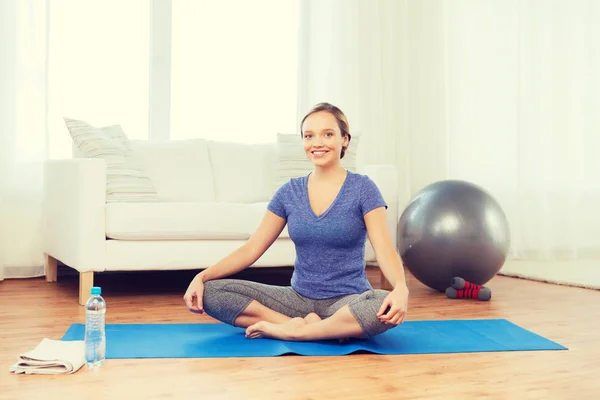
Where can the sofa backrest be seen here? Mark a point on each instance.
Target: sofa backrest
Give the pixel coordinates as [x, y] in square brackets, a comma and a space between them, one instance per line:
[202, 170]
[243, 173]
[208, 170]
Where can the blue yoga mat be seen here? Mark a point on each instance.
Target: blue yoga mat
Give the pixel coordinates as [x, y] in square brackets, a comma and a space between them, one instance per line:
[221, 340]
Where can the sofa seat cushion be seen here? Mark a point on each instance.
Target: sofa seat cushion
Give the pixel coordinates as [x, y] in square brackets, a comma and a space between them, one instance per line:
[183, 220]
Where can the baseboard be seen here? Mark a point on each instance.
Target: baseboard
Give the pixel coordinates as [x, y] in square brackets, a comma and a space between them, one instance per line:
[21, 272]
[578, 273]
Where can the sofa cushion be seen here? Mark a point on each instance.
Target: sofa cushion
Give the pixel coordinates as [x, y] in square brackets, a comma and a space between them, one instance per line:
[180, 169]
[243, 172]
[126, 179]
[183, 220]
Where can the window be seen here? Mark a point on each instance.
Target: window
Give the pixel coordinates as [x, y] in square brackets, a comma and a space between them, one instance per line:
[98, 67]
[234, 69]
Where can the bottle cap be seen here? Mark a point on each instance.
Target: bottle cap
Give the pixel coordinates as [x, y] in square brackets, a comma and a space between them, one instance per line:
[96, 290]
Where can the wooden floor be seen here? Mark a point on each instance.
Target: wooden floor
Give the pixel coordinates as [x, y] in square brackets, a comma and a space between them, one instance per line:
[32, 309]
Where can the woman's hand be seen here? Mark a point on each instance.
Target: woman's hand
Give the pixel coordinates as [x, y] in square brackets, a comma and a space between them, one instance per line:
[194, 295]
[396, 304]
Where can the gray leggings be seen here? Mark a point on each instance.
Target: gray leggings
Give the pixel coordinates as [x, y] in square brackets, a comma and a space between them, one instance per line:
[225, 299]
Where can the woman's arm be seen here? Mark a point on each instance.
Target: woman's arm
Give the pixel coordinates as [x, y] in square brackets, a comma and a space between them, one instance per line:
[394, 306]
[387, 257]
[268, 231]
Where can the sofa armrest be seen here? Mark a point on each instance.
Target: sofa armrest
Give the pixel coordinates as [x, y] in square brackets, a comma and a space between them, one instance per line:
[74, 212]
[386, 179]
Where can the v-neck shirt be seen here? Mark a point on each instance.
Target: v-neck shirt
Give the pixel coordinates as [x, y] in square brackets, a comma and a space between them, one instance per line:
[330, 247]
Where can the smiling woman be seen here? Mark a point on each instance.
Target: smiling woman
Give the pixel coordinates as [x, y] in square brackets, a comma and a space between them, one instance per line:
[329, 213]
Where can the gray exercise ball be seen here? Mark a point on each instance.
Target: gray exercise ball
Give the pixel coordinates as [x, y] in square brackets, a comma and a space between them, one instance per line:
[453, 228]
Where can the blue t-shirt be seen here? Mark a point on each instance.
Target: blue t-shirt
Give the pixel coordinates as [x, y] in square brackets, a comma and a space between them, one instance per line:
[330, 248]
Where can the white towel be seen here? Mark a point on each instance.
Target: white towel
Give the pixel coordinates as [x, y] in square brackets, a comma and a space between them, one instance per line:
[51, 357]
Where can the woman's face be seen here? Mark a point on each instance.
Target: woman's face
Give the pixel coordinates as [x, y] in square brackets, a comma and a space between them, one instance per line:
[322, 139]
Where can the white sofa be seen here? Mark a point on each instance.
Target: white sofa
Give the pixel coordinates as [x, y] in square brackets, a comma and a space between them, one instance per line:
[211, 197]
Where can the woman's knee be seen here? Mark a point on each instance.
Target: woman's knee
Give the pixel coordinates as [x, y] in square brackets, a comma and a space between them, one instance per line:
[222, 303]
[212, 290]
[365, 309]
[210, 296]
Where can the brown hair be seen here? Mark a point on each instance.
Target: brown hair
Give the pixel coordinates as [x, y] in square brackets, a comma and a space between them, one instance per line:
[342, 121]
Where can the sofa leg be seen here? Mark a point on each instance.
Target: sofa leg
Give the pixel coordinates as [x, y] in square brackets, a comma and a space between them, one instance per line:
[50, 268]
[385, 284]
[86, 281]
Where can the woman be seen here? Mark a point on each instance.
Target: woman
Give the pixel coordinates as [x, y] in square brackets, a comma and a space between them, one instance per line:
[329, 214]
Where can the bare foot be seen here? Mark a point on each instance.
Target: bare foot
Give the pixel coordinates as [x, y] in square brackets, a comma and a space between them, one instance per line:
[285, 331]
[312, 318]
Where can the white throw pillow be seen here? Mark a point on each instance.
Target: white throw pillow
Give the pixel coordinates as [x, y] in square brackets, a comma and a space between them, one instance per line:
[126, 179]
[293, 163]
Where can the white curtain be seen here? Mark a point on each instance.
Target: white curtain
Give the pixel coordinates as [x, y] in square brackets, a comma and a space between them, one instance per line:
[504, 94]
[97, 73]
[232, 63]
[350, 56]
[59, 59]
[23, 134]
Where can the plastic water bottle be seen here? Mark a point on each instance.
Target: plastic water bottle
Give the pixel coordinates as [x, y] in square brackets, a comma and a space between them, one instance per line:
[95, 334]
